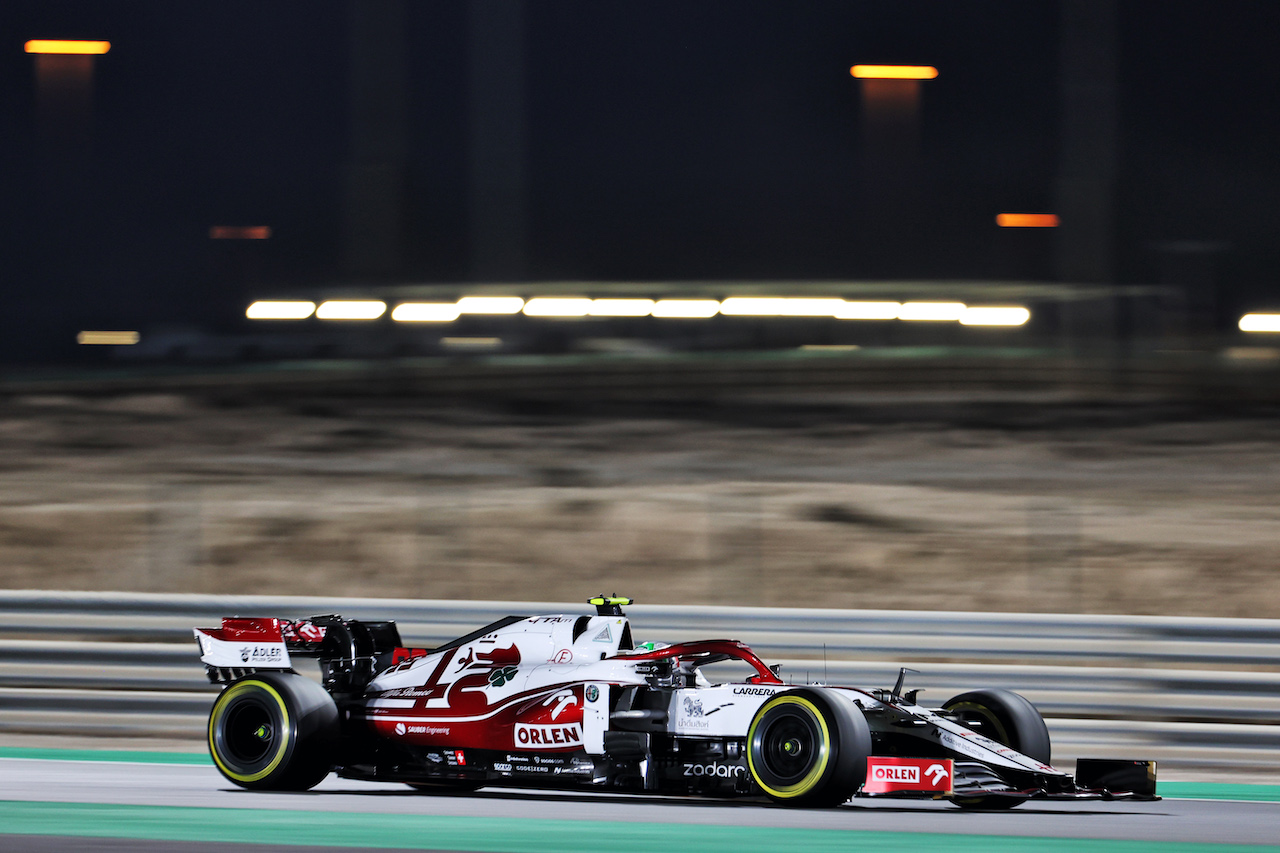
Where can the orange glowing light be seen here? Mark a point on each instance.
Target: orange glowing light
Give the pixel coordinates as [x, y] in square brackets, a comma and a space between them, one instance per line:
[108, 338]
[894, 72]
[67, 46]
[1027, 220]
[240, 232]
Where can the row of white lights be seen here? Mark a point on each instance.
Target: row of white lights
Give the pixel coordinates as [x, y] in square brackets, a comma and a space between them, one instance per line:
[580, 306]
[1255, 322]
[1260, 322]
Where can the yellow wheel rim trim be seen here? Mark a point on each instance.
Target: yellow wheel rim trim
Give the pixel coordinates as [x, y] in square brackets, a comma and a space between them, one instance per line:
[824, 752]
[1001, 736]
[220, 709]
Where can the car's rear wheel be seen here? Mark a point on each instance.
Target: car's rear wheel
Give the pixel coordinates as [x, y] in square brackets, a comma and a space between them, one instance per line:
[808, 747]
[1007, 718]
[273, 731]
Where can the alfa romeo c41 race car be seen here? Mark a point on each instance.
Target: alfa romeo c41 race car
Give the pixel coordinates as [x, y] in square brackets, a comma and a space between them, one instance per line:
[573, 701]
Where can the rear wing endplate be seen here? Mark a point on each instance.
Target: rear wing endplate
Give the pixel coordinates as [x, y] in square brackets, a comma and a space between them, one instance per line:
[244, 644]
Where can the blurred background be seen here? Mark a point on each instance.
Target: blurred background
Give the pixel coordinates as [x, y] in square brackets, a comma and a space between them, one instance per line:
[1105, 164]
[911, 305]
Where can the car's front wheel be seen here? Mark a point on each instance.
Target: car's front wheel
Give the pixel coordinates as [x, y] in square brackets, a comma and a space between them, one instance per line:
[1004, 717]
[808, 747]
[273, 731]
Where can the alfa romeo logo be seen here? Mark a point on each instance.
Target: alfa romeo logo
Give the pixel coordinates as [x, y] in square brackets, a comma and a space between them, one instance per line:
[593, 693]
[499, 677]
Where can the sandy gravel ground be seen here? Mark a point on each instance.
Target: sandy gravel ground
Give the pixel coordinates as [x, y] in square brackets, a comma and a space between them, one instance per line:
[1121, 510]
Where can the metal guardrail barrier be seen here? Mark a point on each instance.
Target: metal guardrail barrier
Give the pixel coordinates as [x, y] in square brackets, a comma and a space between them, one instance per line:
[1189, 692]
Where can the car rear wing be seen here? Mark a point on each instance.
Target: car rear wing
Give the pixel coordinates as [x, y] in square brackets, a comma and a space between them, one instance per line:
[350, 651]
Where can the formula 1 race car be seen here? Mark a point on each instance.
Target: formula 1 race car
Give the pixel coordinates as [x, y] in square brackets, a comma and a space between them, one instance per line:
[573, 701]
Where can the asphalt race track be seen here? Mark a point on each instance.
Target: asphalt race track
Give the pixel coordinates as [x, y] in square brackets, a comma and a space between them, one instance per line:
[180, 803]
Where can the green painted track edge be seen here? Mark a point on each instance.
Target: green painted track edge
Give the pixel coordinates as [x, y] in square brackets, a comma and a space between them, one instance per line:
[514, 835]
[136, 756]
[1219, 791]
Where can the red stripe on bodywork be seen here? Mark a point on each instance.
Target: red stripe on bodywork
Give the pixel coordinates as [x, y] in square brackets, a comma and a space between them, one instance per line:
[247, 630]
[691, 652]
[492, 729]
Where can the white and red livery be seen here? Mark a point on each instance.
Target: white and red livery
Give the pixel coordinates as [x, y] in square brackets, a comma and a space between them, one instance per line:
[572, 700]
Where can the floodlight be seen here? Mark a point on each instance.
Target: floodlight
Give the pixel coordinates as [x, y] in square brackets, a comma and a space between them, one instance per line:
[351, 309]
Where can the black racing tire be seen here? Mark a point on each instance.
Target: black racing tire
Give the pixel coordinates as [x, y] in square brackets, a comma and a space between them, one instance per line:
[273, 731]
[808, 747]
[1007, 718]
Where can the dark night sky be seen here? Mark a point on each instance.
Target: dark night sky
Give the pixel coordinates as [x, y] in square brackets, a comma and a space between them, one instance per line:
[670, 140]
